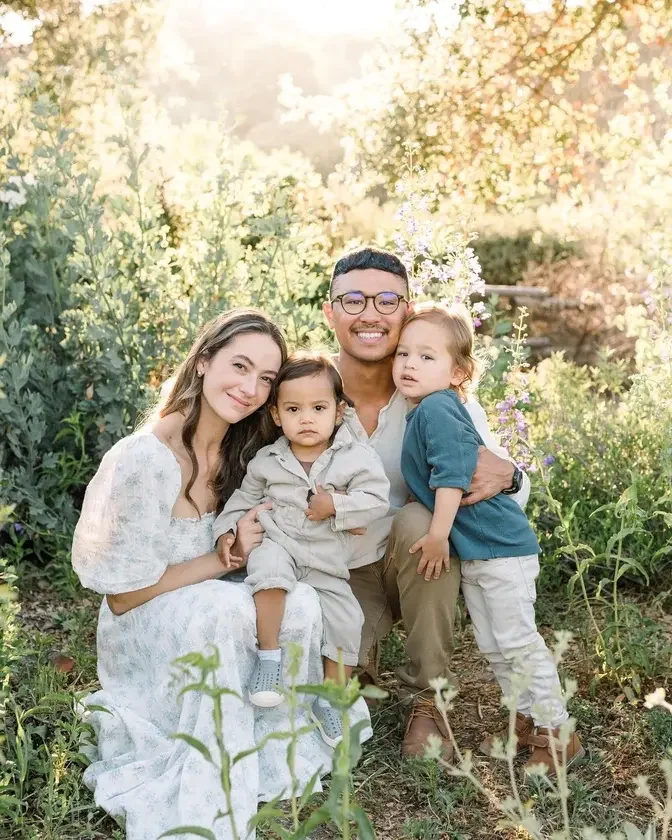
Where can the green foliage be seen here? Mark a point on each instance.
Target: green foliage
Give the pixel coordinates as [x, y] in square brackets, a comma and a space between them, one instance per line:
[199, 671]
[504, 259]
[610, 471]
[40, 738]
[504, 100]
[659, 723]
[104, 283]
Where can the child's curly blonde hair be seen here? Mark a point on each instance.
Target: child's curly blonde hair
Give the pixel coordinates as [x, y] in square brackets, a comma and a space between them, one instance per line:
[459, 329]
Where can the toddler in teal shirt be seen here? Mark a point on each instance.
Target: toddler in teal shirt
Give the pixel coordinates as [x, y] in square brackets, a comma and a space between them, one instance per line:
[433, 368]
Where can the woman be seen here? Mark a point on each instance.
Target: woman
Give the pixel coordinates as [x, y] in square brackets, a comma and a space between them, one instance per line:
[144, 540]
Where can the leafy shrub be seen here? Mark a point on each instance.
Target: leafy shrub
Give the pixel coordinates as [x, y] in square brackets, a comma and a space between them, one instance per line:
[601, 441]
[505, 259]
[105, 282]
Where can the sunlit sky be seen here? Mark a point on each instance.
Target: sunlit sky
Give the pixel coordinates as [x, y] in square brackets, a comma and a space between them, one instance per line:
[311, 15]
[364, 17]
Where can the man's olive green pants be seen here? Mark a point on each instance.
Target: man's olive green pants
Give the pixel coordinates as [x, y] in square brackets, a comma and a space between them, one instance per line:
[391, 589]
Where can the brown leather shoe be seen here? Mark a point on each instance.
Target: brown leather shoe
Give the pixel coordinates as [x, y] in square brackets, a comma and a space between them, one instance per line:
[542, 747]
[424, 720]
[524, 728]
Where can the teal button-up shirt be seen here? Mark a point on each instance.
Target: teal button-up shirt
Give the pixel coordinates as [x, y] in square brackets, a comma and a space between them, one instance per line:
[440, 450]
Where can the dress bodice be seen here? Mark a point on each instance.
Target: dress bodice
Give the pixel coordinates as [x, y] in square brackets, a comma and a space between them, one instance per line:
[189, 537]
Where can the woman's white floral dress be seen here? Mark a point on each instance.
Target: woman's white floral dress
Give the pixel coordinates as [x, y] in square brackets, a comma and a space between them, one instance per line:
[125, 539]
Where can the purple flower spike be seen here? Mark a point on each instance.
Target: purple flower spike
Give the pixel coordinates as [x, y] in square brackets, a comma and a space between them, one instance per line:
[548, 460]
[18, 527]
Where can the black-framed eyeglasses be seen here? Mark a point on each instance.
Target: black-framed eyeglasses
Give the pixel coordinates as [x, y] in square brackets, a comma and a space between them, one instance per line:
[354, 303]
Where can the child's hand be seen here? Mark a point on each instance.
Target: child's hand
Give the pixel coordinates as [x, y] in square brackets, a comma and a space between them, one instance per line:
[228, 560]
[435, 555]
[320, 506]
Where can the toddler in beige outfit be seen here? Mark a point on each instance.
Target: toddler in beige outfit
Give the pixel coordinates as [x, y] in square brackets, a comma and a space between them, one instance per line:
[324, 484]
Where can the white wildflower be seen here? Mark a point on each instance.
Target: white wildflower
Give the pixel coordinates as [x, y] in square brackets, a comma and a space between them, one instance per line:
[656, 698]
[12, 198]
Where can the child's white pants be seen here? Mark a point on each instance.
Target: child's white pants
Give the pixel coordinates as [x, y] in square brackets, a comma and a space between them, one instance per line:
[500, 596]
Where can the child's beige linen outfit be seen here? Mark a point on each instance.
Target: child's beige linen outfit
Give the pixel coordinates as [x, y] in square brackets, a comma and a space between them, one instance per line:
[318, 553]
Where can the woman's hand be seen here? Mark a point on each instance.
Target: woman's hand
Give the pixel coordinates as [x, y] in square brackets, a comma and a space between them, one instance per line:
[250, 532]
[435, 556]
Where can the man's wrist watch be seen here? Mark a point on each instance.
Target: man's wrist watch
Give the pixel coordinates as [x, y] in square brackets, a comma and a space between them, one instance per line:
[516, 482]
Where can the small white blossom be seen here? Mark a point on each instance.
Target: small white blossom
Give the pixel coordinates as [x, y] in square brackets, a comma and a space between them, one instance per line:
[12, 198]
[656, 698]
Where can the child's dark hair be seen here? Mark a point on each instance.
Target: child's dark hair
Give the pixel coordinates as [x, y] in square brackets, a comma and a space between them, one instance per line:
[308, 363]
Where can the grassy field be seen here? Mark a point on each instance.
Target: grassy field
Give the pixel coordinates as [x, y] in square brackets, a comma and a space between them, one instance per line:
[404, 799]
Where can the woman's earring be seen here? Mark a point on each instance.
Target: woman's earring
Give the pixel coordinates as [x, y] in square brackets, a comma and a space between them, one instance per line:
[199, 373]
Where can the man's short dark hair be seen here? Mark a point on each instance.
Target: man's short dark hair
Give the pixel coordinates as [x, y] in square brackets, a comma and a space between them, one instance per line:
[364, 258]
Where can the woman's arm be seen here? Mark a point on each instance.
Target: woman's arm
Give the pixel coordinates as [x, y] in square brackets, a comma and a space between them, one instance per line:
[205, 567]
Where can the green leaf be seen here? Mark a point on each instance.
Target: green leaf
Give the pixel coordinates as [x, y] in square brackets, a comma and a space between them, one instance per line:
[336, 787]
[333, 693]
[355, 741]
[630, 564]
[619, 537]
[267, 813]
[373, 692]
[93, 707]
[363, 823]
[195, 743]
[317, 818]
[309, 789]
[189, 829]
[200, 686]
[272, 736]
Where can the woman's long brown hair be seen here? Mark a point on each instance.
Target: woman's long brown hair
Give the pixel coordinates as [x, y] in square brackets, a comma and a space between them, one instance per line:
[243, 439]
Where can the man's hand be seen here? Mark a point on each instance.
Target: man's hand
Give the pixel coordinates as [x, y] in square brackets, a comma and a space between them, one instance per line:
[249, 533]
[224, 547]
[435, 555]
[492, 475]
[321, 505]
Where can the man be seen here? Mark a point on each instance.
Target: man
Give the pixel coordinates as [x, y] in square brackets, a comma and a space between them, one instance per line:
[368, 300]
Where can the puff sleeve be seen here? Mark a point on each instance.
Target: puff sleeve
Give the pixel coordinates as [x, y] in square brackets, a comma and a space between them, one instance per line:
[121, 542]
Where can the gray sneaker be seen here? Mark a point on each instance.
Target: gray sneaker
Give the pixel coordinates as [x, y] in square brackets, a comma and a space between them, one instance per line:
[329, 723]
[265, 682]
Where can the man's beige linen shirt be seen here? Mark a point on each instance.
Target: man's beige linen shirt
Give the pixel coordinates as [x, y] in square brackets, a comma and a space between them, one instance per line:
[387, 441]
